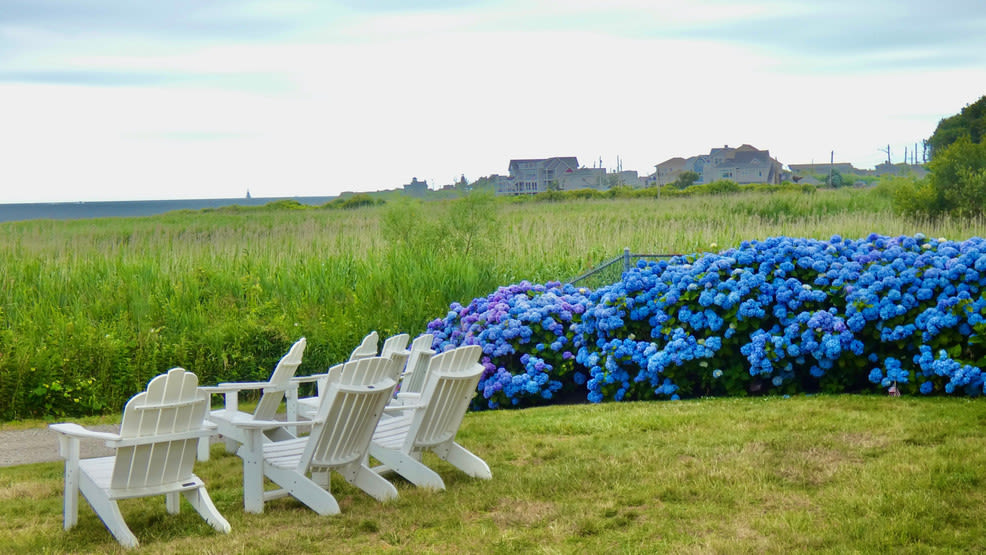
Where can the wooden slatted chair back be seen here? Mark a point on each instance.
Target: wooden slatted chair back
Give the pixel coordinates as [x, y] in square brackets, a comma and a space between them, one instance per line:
[448, 392]
[271, 398]
[398, 361]
[344, 425]
[170, 405]
[418, 360]
[367, 348]
[394, 344]
[366, 371]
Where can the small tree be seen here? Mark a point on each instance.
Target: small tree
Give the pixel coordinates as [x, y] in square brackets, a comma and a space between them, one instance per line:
[969, 123]
[956, 185]
[685, 179]
[835, 179]
[958, 174]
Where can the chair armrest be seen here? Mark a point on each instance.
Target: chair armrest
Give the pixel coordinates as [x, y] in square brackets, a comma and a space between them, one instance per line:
[308, 379]
[231, 390]
[401, 408]
[268, 424]
[76, 431]
[234, 386]
[406, 397]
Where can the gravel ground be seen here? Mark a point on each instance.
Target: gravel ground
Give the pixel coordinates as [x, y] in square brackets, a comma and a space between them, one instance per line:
[36, 445]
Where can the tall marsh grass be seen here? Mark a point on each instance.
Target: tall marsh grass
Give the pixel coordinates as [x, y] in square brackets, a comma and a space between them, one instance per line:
[90, 310]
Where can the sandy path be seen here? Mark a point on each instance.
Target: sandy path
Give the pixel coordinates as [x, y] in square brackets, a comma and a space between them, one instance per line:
[36, 445]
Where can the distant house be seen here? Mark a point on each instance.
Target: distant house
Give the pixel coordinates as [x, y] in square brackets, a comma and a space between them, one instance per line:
[668, 170]
[822, 169]
[416, 188]
[583, 178]
[744, 165]
[626, 178]
[536, 175]
[886, 168]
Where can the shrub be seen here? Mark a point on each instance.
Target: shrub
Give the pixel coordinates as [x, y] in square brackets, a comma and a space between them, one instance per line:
[956, 185]
[783, 315]
[350, 202]
[527, 338]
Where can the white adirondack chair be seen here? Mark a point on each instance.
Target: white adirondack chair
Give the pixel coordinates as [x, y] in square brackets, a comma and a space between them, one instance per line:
[394, 344]
[367, 348]
[413, 379]
[155, 453]
[363, 371]
[433, 422]
[274, 390]
[341, 431]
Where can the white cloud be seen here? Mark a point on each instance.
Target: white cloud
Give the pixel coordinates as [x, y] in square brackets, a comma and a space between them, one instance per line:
[349, 99]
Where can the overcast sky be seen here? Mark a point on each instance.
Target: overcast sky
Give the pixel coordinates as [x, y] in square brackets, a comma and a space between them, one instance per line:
[153, 99]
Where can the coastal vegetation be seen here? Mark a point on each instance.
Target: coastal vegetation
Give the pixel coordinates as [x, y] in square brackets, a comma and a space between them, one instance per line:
[969, 123]
[91, 309]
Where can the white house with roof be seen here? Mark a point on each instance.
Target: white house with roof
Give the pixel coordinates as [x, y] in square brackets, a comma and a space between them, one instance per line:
[534, 175]
[416, 188]
[582, 178]
[744, 165]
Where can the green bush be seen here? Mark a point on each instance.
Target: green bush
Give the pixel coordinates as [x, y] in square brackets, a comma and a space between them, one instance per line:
[350, 202]
[956, 185]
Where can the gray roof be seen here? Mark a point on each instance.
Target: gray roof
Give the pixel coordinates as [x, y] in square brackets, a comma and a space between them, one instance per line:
[569, 160]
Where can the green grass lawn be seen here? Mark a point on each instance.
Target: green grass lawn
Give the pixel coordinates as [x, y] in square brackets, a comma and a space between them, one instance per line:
[856, 474]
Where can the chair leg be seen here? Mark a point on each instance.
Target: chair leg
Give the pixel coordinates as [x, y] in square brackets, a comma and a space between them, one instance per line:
[71, 504]
[463, 459]
[303, 489]
[172, 503]
[109, 512]
[200, 500]
[412, 470]
[375, 485]
[203, 449]
[253, 479]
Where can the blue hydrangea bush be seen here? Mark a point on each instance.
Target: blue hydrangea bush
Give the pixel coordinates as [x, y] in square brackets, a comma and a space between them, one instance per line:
[527, 338]
[784, 315]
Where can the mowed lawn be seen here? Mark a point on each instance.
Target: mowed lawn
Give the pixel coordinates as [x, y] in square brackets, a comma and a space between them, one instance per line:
[858, 474]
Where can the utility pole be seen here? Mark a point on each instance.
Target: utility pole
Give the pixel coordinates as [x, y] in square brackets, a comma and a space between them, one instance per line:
[657, 177]
[831, 167]
[888, 153]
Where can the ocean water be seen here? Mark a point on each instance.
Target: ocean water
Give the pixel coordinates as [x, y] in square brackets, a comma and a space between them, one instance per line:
[120, 209]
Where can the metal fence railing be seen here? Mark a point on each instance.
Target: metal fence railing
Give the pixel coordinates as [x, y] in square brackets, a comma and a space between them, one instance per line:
[613, 269]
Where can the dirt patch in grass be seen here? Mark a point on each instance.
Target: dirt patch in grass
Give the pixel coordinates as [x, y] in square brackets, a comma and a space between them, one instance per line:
[510, 513]
[864, 441]
[29, 490]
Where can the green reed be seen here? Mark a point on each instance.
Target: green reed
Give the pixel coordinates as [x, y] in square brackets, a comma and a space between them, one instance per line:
[92, 309]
